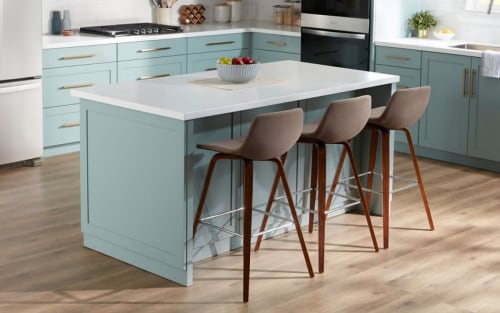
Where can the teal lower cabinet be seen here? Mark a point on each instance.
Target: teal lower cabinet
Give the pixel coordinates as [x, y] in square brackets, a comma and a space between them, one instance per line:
[270, 48]
[143, 69]
[484, 119]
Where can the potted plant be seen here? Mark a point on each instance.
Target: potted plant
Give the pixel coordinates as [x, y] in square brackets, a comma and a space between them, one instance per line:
[422, 21]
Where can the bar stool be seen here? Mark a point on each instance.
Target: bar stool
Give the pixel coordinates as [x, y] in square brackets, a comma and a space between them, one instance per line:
[342, 121]
[269, 138]
[404, 108]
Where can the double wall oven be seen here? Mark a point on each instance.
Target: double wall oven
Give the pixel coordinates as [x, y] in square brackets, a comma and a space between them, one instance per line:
[336, 32]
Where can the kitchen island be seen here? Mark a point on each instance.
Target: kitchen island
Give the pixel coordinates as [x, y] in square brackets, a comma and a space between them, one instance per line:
[141, 174]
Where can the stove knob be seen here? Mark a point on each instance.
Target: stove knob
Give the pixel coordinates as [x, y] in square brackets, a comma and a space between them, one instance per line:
[135, 31]
[143, 31]
[156, 30]
[149, 30]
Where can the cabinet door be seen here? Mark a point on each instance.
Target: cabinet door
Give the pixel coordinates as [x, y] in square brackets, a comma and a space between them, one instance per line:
[444, 125]
[408, 78]
[151, 68]
[484, 124]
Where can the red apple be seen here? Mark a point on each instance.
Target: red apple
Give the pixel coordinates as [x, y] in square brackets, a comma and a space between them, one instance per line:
[237, 61]
[247, 60]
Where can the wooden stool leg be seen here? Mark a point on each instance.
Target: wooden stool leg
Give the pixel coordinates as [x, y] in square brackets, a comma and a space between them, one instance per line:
[371, 163]
[385, 186]
[247, 226]
[204, 191]
[321, 206]
[269, 205]
[313, 185]
[419, 178]
[336, 179]
[347, 147]
[293, 211]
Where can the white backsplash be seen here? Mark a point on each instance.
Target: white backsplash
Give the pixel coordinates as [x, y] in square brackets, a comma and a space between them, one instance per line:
[474, 26]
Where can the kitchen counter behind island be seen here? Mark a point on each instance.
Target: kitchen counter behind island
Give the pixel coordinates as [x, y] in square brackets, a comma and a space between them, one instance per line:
[141, 173]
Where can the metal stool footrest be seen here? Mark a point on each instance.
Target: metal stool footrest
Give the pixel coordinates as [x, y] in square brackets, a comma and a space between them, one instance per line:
[410, 183]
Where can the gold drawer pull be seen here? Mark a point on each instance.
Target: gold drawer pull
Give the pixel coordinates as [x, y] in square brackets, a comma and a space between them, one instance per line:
[77, 86]
[399, 86]
[396, 57]
[72, 124]
[276, 43]
[220, 43]
[210, 69]
[152, 76]
[472, 87]
[154, 49]
[80, 56]
[464, 87]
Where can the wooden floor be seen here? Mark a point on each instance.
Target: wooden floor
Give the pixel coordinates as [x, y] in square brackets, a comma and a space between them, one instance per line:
[44, 268]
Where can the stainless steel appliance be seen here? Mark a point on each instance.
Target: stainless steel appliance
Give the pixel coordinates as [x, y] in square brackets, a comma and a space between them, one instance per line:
[131, 29]
[336, 32]
[20, 81]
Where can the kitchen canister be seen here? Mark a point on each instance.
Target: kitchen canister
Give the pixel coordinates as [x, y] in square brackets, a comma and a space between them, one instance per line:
[66, 22]
[56, 23]
[164, 16]
[222, 13]
[235, 10]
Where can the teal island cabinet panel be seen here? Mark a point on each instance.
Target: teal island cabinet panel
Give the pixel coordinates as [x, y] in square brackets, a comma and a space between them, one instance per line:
[270, 48]
[203, 52]
[484, 120]
[66, 69]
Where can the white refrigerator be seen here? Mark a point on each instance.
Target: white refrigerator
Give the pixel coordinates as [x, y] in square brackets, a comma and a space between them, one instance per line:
[21, 131]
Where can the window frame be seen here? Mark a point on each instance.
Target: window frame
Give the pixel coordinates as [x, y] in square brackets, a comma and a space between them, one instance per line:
[478, 5]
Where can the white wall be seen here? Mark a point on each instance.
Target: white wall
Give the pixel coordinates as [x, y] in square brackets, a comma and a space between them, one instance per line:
[390, 18]
[473, 26]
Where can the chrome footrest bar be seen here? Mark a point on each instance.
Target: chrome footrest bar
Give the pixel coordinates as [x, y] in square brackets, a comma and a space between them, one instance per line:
[253, 235]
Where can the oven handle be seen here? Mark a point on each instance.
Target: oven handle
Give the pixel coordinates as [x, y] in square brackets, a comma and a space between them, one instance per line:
[325, 33]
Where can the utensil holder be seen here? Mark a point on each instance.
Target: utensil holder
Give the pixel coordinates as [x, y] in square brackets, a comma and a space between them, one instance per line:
[164, 16]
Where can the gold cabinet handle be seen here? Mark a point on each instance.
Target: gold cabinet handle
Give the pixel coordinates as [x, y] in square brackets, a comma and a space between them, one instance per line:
[396, 57]
[399, 86]
[77, 86]
[152, 76]
[464, 91]
[276, 43]
[154, 49]
[219, 43]
[79, 56]
[210, 69]
[72, 124]
[472, 91]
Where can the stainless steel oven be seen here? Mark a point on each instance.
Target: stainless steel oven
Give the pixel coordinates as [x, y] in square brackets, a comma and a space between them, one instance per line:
[336, 33]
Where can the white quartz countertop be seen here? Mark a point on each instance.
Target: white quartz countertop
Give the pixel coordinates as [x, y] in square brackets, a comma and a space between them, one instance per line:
[205, 29]
[433, 45]
[181, 97]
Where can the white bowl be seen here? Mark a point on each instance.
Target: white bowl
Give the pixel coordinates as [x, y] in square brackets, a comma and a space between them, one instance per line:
[444, 36]
[238, 73]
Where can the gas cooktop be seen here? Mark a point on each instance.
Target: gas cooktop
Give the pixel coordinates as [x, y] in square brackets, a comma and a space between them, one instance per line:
[131, 29]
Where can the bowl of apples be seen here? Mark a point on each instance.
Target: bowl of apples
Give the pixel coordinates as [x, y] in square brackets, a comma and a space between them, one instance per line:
[238, 69]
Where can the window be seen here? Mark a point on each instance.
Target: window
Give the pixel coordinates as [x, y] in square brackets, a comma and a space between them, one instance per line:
[482, 5]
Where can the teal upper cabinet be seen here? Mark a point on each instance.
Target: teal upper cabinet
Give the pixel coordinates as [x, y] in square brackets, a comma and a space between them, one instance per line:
[484, 125]
[444, 125]
[204, 51]
[269, 47]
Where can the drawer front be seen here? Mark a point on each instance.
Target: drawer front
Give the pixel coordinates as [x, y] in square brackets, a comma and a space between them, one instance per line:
[398, 57]
[202, 62]
[151, 68]
[79, 55]
[58, 82]
[408, 78]
[288, 44]
[151, 49]
[61, 125]
[217, 43]
[264, 56]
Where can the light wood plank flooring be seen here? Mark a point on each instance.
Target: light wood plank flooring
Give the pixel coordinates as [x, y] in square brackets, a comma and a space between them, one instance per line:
[44, 268]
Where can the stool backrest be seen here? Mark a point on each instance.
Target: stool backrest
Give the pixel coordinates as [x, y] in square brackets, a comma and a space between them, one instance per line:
[272, 134]
[405, 107]
[343, 119]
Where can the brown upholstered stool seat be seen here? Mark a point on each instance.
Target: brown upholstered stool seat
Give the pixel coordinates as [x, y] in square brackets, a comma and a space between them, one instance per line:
[269, 138]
